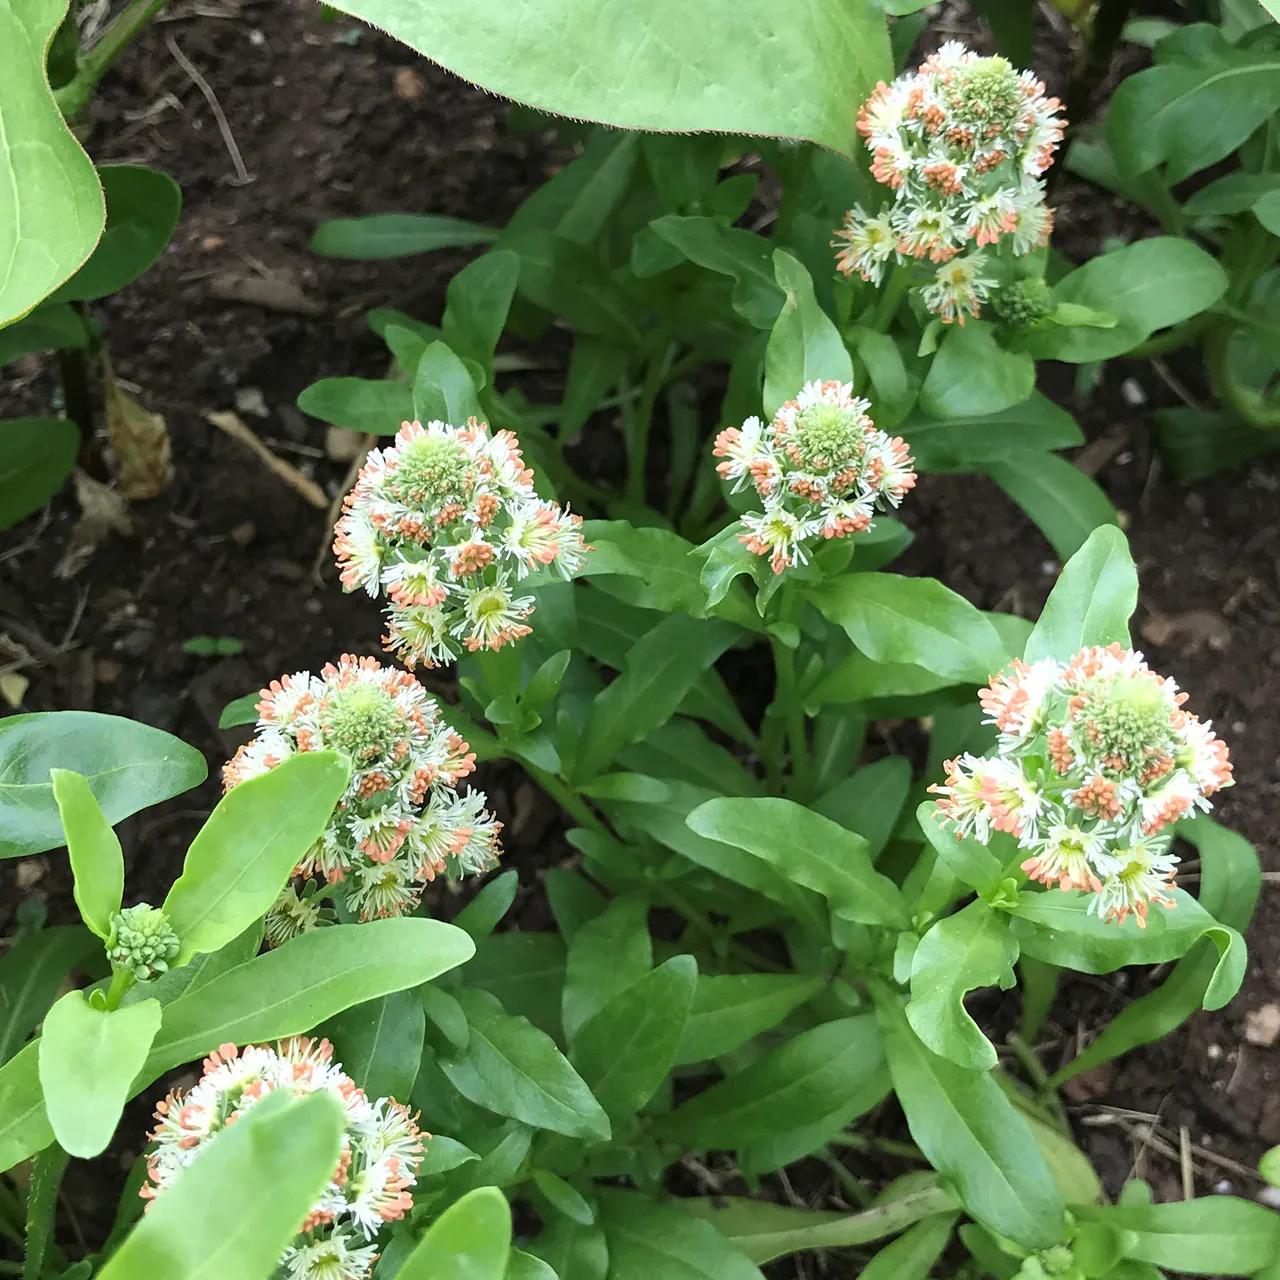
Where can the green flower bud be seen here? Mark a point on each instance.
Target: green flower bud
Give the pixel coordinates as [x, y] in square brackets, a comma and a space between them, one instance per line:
[141, 941]
[1022, 303]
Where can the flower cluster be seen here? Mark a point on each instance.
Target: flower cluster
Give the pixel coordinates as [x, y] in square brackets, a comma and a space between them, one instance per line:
[377, 1164]
[821, 467]
[401, 821]
[142, 941]
[446, 524]
[962, 142]
[1096, 759]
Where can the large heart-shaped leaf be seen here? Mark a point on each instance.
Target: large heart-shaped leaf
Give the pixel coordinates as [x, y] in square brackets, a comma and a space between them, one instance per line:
[51, 207]
[729, 66]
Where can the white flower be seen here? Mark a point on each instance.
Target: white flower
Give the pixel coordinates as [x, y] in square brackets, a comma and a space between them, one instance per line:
[867, 245]
[958, 290]
[1134, 876]
[336, 1256]
[435, 509]
[406, 764]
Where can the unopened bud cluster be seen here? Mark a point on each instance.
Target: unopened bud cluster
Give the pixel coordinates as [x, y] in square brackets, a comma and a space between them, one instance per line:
[821, 467]
[141, 941]
[1096, 760]
[446, 524]
[962, 143]
[377, 1163]
[402, 820]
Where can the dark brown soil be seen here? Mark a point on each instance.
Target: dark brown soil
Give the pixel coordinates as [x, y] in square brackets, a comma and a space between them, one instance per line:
[335, 120]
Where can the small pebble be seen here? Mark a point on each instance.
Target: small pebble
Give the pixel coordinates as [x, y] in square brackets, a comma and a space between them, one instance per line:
[243, 534]
[256, 38]
[1131, 390]
[1213, 1052]
[1049, 568]
[1223, 1188]
[251, 401]
[1262, 1025]
[1270, 1196]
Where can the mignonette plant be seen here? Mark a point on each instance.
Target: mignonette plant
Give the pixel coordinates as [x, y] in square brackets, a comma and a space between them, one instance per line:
[766, 943]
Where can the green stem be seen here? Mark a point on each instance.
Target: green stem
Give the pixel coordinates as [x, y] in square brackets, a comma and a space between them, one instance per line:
[891, 298]
[784, 662]
[1181, 335]
[642, 424]
[73, 97]
[720, 942]
[121, 981]
[572, 803]
[884, 1146]
[1244, 401]
[1039, 1079]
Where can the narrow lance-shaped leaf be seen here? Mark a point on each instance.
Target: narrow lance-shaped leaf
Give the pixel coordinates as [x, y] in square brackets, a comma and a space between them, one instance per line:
[471, 1240]
[1092, 601]
[809, 849]
[88, 1060]
[971, 1133]
[241, 857]
[96, 860]
[626, 1050]
[236, 1208]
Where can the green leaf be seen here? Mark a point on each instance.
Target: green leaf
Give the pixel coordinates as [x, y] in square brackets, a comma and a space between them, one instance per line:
[959, 954]
[837, 1065]
[42, 1204]
[32, 971]
[128, 767]
[730, 1009]
[1204, 1237]
[88, 1058]
[36, 456]
[527, 1266]
[912, 1256]
[764, 1231]
[625, 1051]
[728, 251]
[1236, 193]
[565, 1198]
[445, 1014]
[379, 1043]
[526, 972]
[972, 1134]
[443, 389]
[973, 375]
[513, 1069]
[294, 988]
[395, 235]
[809, 849]
[659, 671]
[262, 1175]
[1092, 601]
[912, 620]
[869, 800]
[241, 711]
[1189, 113]
[606, 955]
[1066, 505]
[648, 1240]
[96, 860]
[1148, 285]
[471, 1240]
[667, 68]
[51, 326]
[573, 1251]
[242, 856]
[52, 211]
[359, 404]
[1231, 878]
[142, 211]
[804, 346]
[968, 859]
[961, 443]
[1065, 933]
[478, 300]
[857, 678]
